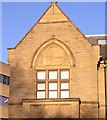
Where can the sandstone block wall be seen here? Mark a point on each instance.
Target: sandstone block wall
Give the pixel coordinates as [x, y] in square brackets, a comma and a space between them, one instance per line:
[82, 58]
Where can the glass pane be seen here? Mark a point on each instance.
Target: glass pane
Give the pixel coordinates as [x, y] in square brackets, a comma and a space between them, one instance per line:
[64, 74]
[64, 85]
[40, 86]
[8, 80]
[4, 100]
[64, 94]
[41, 75]
[1, 78]
[5, 80]
[52, 94]
[52, 86]
[41, 94]
[52, 74]
[102, 42]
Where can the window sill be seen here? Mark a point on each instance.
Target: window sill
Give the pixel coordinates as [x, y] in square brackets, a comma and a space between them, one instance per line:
[52, 100]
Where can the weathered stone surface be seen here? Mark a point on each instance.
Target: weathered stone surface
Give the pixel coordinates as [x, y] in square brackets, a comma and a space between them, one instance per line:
[54, 42]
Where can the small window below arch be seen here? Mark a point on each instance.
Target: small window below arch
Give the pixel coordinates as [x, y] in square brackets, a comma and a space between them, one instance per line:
[52, 83]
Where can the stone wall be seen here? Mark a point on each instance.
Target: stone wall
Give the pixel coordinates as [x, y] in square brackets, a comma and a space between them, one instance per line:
[80, 56]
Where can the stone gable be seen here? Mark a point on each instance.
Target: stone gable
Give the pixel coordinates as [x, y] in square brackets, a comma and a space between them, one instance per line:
[54, 42]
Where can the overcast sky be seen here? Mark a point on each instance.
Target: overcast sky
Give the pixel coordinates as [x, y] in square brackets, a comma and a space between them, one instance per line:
[19, 17]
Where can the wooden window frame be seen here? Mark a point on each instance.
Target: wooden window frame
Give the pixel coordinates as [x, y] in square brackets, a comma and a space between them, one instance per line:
[46, 81]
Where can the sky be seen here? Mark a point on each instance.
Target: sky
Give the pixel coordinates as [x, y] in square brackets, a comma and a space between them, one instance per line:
[19, 17]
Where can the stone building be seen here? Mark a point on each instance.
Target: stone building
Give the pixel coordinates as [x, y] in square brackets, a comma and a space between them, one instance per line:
[57, 71]
[4, 89]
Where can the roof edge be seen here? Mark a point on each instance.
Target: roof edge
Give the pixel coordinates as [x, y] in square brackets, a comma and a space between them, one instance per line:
[32, 27]
[95, 35]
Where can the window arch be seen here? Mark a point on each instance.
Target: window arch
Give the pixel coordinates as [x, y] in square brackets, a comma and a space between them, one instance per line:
[52, 64]
[57, 42]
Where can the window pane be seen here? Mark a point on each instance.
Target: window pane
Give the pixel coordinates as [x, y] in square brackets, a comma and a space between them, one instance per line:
[4, 100]
[102, 42]
[1, 78]
[41, 94]
[8, 80]
[64, 74]
[41, 75]
[5, 80]
[52, 94]
[64, 94]
[52, 86]
[41, 86]
[64, 85]
[52, 74]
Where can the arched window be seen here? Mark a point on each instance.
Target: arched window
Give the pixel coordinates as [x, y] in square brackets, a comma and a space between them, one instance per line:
[52, 64]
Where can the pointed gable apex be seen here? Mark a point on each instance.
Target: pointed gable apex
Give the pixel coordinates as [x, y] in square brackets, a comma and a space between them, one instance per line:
[53, 14]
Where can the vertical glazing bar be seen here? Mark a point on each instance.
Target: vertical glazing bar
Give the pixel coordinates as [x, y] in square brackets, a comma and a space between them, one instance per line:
[58, 84]
[46, 87]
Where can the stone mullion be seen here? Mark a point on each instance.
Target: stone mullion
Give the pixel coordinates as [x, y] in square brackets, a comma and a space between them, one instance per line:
[47, 89]
[59, 84]
[35, 78]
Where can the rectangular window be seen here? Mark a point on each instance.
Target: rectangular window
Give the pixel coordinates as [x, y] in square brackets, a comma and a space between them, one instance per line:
[4, 100]
[41, 75]
[56, 85]
[1, 78]
[64, 74]
[102, 42]
[6, 80]
[53, 75]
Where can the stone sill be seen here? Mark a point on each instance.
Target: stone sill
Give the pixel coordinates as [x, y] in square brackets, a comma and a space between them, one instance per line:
[51, 100]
